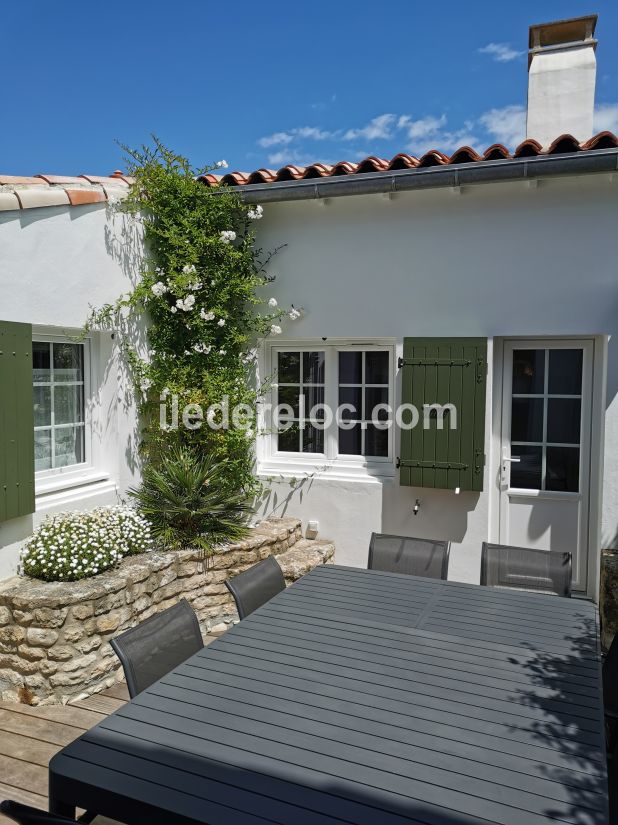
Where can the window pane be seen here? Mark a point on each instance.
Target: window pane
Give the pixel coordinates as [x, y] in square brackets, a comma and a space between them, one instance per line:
[562, 469]
[528, 371]
[68, 362]
[288, 367]
[527, 419]
[376, 367]
[314, 396]
[527, 473]
[565, 371]
[69, 446]
[313, 367]
[376, 442]
[373, 397]
[289, 395]
[289, 441]
[68, 406]
[350, 367]
[40, 361]
[42, 406]
[563, 420]
[42, 450]
[313, 439]
[350, 440]
[353, 396]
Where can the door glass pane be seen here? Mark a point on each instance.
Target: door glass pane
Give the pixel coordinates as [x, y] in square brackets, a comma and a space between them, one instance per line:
[68, 407]
[40, 361]
[42, 406]
[527, 419]
[528, 472]
[350, 440]
[313, 367]
[288, 367]
[565, 371]
[376, 367]
[528, 371]
[68, 364]
[562, 469]
[350, 367]
[288, 441]
[42, 450]
[353, 396]
[69, 446]
[563, 420]
[313, 439]
[376, 442]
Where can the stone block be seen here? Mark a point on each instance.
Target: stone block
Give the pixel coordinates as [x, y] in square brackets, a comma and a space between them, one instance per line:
[46, 617]
[6, 616]
[42, 636]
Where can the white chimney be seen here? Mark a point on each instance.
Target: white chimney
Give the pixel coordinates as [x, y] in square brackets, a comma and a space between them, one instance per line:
[562, 70]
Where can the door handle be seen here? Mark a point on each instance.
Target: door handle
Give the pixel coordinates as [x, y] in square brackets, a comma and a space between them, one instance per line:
[511, 458]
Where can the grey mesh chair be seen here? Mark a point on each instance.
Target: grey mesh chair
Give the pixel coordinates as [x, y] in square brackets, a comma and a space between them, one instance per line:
[610, 696]
[25, 815]
[255, 586]
[158, 645]
[414, 557]
[544, 571]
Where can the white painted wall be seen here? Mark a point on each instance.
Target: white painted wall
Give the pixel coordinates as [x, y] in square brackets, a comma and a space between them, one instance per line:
[561, 84]
[496, 260]
[54, 263]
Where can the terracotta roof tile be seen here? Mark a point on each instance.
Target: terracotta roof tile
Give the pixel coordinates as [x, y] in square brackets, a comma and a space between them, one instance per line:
[16, 180]
[109, 179]
[465, 154]
[78, 197]
[63, 179]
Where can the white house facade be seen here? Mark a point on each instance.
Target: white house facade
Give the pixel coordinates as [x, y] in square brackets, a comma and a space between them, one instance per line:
[488, 282]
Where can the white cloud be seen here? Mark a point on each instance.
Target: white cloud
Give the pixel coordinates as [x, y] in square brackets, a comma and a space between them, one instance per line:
[606, 117]
[423, 127]
[285, 138]
[501, 52]
[506, 125]
[276, 139]
[380, 128]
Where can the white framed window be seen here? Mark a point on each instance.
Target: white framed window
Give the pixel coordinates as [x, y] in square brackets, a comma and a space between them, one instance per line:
[61, 388]
[329, 375]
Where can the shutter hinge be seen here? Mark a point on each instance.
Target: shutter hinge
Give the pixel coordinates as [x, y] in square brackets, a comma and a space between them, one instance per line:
[433, 362]
[479, 461]
[431, 465]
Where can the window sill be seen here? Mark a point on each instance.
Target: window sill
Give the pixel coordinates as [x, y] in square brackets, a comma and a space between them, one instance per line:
[69, 481]
[288, 469]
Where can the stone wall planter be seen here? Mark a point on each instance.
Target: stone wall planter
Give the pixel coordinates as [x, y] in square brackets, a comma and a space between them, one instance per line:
[54, 637]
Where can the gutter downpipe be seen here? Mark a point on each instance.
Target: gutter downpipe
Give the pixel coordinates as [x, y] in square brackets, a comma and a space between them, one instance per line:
[462, 174]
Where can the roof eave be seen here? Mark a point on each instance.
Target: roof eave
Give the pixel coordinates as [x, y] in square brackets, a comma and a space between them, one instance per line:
[451, 175]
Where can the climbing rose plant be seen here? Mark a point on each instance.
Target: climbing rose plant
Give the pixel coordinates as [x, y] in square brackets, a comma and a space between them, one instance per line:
[204, 294]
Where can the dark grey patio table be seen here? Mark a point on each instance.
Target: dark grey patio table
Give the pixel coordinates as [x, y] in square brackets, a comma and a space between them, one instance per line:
[363, 697]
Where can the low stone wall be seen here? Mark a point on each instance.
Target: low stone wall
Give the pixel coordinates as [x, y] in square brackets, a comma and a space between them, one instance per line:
[54, 637]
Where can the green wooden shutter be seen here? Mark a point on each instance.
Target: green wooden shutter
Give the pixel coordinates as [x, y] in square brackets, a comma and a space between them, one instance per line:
[444, 371]
[16, 421]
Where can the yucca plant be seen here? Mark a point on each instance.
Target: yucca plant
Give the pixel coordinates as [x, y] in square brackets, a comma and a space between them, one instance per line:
[186, 500]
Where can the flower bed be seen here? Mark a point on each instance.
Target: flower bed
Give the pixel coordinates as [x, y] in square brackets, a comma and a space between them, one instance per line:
[54, 637]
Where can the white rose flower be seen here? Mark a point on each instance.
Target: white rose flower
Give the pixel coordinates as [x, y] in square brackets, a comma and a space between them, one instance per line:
[189, 269]
[293, 314]
[272, 302]
[256, 213]
[221, 322]
[222, 352]
[227, 235]
[275, 330]
[207, 316]
[221, 164]
[173, 310]
[158, 289]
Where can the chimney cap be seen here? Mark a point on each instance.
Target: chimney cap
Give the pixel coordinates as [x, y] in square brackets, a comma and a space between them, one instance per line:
[563, 32]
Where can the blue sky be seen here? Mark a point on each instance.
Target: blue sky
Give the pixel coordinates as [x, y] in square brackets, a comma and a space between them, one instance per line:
[261, 84]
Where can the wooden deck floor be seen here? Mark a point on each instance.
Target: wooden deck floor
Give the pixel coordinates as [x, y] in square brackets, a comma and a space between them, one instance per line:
[30, 736]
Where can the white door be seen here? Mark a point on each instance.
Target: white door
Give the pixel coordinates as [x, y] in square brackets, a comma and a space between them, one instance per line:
[545, 466]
